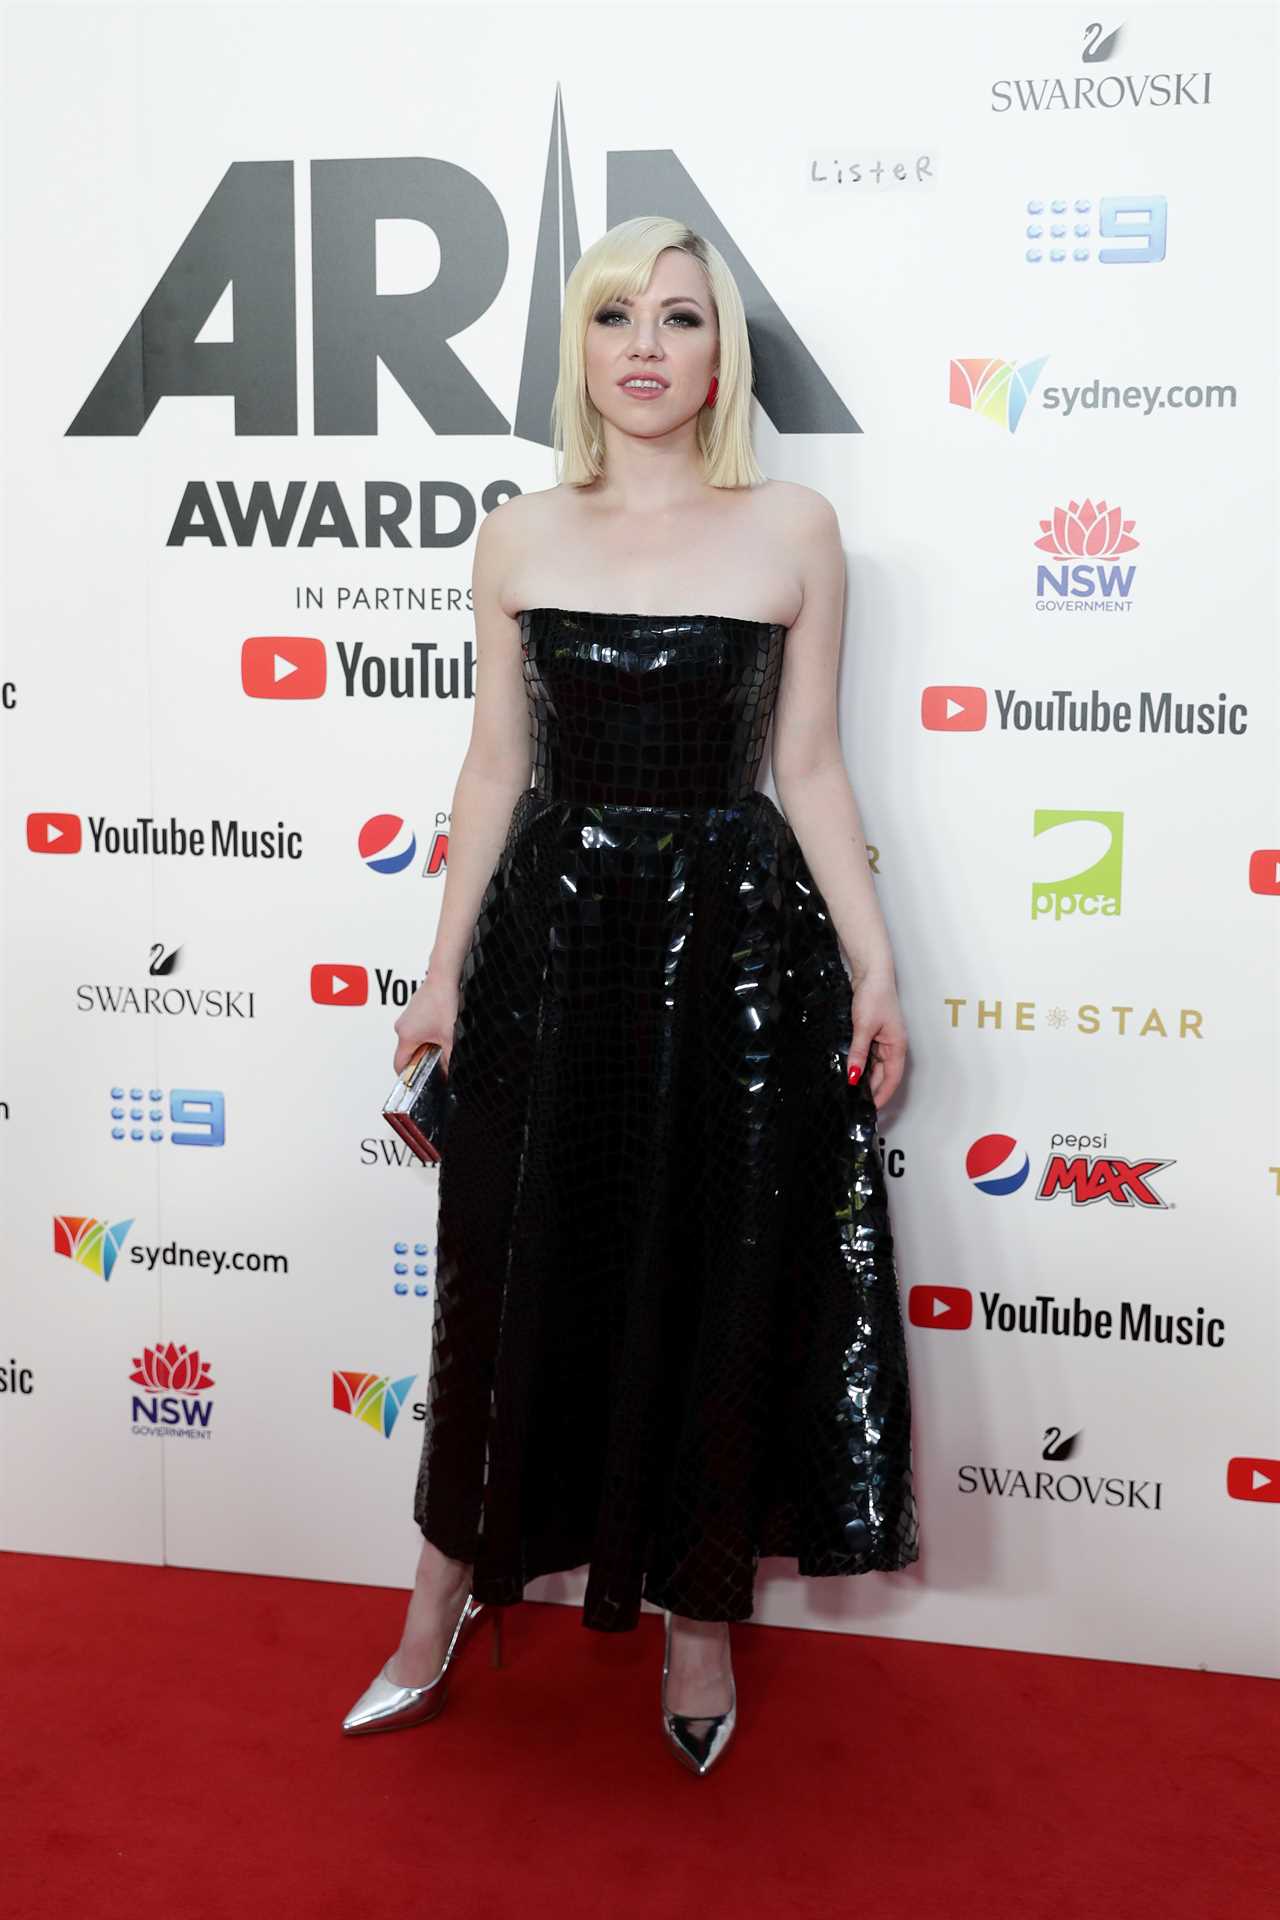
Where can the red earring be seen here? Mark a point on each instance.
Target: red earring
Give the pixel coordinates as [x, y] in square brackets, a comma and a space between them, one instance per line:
[711, 391]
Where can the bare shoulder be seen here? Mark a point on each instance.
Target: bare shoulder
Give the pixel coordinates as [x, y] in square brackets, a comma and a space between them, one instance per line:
[518, 529]
[799, 513]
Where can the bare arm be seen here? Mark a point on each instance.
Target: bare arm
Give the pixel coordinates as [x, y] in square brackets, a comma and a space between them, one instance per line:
[817, 797]
[808, 765]
[499, 757]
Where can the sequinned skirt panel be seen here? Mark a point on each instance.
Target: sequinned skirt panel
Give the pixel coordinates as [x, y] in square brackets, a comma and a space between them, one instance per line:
[667, 1337]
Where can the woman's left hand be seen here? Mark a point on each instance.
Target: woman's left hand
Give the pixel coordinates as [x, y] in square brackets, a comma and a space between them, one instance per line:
[880, 1031]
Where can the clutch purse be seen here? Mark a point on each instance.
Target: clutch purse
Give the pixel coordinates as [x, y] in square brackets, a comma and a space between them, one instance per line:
[415, 1108]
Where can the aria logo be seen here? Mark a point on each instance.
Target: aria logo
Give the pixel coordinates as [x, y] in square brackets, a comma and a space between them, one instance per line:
[1077, 1166]
[373, 1398]
[243, 238]
[91, 1243]
[166, 998]
[1082, 535]
[174, 1377]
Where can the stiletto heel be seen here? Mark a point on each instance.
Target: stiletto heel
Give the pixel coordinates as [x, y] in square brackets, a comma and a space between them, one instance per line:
[697, 1739]
[385, 1704]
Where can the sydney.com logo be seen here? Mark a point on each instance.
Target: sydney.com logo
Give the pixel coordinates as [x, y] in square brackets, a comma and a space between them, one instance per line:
[999, 391]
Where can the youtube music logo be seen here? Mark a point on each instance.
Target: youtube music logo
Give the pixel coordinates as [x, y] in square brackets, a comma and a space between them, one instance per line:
[954, 709]
[287, 666]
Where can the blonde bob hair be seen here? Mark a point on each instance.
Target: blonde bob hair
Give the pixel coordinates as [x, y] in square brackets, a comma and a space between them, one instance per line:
[621, 262]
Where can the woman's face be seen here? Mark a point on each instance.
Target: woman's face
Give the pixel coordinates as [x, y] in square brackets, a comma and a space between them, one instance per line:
[666, 334]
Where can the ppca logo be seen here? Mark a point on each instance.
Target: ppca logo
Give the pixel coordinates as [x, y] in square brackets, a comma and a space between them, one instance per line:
[1084, 854]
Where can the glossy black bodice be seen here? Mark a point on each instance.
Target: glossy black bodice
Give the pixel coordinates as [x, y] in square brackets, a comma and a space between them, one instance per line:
[648, 709]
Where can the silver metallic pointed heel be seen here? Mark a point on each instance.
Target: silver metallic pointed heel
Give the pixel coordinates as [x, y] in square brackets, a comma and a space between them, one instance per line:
[385, 1704]
[698, 1740]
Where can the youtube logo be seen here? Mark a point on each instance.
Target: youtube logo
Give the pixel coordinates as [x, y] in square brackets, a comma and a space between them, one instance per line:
[954, 709]
[1250, 1478]
[53, 832]
[948, 1309]
[339, 986]
[1264, 870]
[283, 667]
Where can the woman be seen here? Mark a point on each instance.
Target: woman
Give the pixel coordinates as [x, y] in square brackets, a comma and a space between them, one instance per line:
[667, 1335]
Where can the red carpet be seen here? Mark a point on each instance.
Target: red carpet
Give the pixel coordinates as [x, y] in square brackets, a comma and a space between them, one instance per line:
[171, 1745]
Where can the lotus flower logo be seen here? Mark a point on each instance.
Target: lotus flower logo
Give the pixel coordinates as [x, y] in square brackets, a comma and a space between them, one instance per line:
[372, 1397]
[171, 1370]
[92, 1243]
[1088, 531]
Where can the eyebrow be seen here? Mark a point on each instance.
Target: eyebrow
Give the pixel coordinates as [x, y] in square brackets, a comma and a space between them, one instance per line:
[674, 300]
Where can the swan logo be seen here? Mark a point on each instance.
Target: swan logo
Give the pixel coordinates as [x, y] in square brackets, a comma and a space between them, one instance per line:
[373, 1398]
[387, 843]
[1102, 92]
[1080, 1489]
[95, 1244]
[997, 1164]
[161, 995]
[1083, 852]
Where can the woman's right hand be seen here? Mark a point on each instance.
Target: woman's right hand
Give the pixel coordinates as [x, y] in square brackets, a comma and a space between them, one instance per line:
[428, 1019]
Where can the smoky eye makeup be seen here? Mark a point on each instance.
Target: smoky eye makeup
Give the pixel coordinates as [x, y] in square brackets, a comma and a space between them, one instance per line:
[684, 314]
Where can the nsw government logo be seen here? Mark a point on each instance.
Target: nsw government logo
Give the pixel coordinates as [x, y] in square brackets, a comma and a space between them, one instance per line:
[173, 1405]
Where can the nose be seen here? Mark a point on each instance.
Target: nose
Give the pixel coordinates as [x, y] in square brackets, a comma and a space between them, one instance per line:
[645, 339]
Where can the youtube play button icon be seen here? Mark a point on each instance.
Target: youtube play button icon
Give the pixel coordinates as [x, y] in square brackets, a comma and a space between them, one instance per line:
[338, 985]
[53, 832]
[954, 709]
[946, 1309]
[282, 666]
[1253, 1477]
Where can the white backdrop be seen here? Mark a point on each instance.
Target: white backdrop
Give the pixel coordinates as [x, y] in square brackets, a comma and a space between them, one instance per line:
[263, 262]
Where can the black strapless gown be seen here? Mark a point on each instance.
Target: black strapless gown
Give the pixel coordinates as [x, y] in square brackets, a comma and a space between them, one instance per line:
[667, 1332]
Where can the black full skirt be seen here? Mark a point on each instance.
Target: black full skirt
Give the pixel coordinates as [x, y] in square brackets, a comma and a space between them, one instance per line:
[667, 1334]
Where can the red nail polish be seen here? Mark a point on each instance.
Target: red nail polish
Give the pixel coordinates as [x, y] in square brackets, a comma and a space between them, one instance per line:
[855, 1072]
